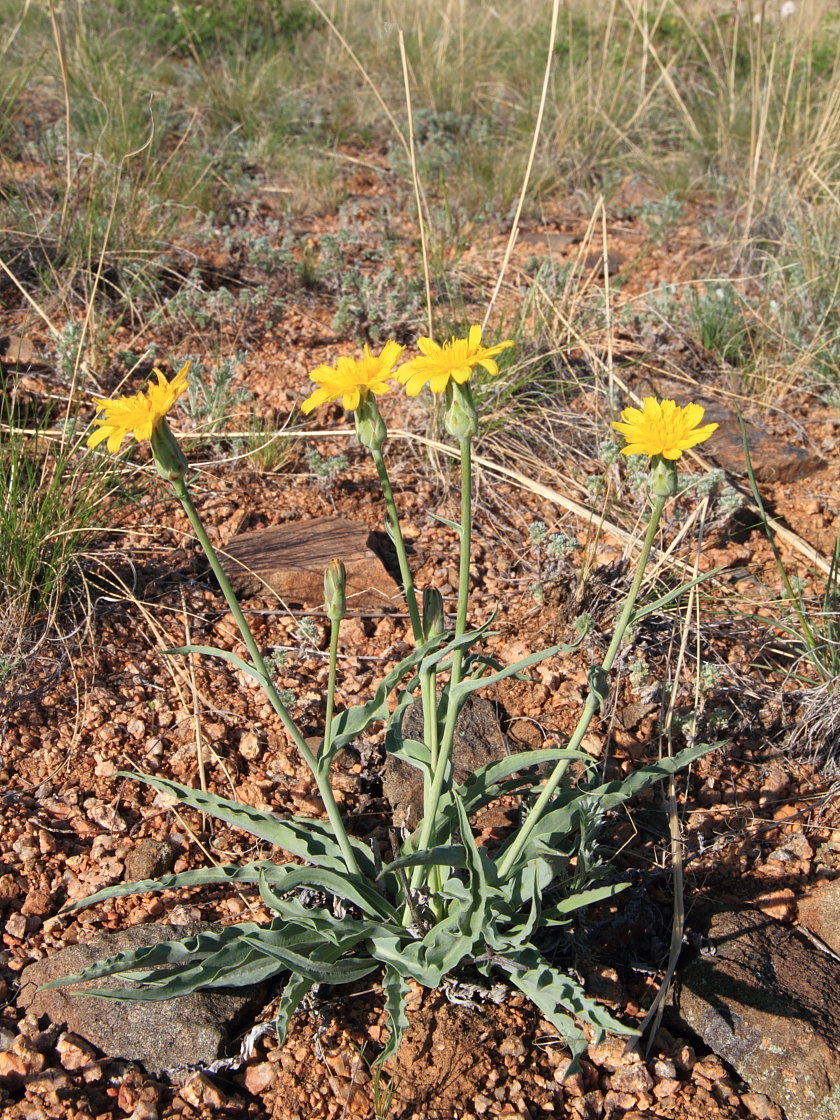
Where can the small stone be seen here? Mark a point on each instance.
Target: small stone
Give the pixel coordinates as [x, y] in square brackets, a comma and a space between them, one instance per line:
[37, 902]
[249, 746]
[144, 1110]
[13, 1069]
[200, 1091]
[667, 1087]
[634, 1078]
[257, 1078]
[49, 1081]
[16, 925]
[512, 1046]
[149, 859]
[74, 1052]
[664, 1068]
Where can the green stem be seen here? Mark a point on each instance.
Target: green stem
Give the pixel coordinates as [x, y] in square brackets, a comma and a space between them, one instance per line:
[443, 767]
[593, 700]
[334, 628]
[318, 773]
[399, 544]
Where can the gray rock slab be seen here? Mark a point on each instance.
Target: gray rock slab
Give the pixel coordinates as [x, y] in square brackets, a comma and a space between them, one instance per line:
[768, 1003]
[188, 1030]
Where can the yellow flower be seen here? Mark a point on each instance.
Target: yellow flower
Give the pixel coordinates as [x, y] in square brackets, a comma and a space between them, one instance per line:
[662, 428]
[351, 377]
[140, 414]
[455, 360]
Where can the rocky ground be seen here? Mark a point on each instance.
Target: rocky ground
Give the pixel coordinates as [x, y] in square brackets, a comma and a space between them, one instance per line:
[751, 1028]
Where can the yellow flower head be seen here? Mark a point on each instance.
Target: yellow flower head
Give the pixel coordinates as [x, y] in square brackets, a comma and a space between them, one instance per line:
[140, 414]
[351, 377]
[455, 360]
[662, 428]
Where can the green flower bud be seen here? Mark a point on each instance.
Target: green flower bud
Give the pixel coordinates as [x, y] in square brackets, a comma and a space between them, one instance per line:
[433, 617]
[169, 458]
[335, 591]
[370, 427]
[663, 477]
[461, 417]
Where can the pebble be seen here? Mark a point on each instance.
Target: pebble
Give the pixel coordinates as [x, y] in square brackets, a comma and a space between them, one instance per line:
[634, 1078]
[257, 1078]
[200, 1091]
[74, 1052]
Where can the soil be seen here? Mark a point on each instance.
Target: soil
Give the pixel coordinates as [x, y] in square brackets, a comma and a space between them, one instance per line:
[760, 821]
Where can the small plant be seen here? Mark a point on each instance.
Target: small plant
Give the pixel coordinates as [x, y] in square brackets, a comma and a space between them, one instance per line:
[214, 396]
[440, 901]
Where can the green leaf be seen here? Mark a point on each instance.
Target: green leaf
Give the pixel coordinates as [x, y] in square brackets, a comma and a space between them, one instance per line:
[572, 804]
[323, 965]
[234, 659]
[229, 873]
[555, 994]
[396, 993]
[161, 953]
[558, 913]
[348, 887]
[445, 855]
[350, 723]
[482, 786]
[306, 838]
[294, 990]
[468, 686]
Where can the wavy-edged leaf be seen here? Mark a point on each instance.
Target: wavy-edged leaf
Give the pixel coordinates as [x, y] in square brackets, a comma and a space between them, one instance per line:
[348, 887]
[396, 993]
[488, 782]
[571, 805]
[350, 723]
[444, 855]
[200, 876]
[305, 838]
[325, 965]
[294, 990]
[162, 953]
[557, 995]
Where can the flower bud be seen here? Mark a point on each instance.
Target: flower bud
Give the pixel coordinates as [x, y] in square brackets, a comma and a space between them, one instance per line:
[335, 591]
[433, 618]
[169, 458]
[461, 417]
[370, 427]
[662, 477]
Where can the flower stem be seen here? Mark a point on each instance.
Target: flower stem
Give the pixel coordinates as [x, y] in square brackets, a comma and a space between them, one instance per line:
[318, 772]
[593, 700]
[399, 544]
[334, 628]
[443, 769]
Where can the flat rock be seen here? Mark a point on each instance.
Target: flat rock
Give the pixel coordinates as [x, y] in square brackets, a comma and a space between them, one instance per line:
[768, 1003]
[188, 1030]
[819, 911]
[291, 560]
